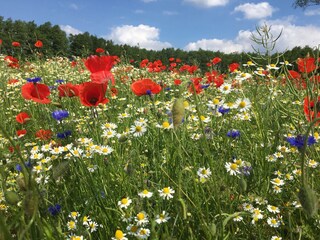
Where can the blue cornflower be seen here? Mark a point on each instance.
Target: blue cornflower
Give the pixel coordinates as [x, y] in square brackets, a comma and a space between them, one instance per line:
[60, 114]
[64, 134]
[298, 141]
[233, 133]
[54, 210]
[18, 168]
[52, 88]
[246, 170]
[223, 110]
[149, 92]
[205, 86]
[34, 80]
[59, 81]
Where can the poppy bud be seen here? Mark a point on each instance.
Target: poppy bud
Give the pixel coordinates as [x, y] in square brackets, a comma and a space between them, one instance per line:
[30, 203]
[21, 183]
[123, 138]
[213, 229]
[242, 185]
[60, 170]
[308, 200]
[12, 197]
[177, 112]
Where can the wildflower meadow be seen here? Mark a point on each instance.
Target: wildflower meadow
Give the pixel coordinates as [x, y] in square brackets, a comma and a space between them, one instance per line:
[95, 148]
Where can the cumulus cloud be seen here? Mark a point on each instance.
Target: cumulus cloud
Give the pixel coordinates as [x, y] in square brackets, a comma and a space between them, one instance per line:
[70, 30]
[142, 35]
[292, 36]
[207, 3]
[255, 11]
[312, 12]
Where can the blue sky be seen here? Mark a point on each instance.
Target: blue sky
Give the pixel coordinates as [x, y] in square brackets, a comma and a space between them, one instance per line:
[224, 25]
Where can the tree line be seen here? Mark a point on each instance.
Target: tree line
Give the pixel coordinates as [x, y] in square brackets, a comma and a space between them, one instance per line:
[57, 43]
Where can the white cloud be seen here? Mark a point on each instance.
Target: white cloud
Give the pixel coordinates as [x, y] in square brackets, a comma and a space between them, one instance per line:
[312, 12]
[138, 11]
[70, 30]
[255, 11]
[74, 6]
[292, 36]
[208, 3]
[169, 13]
[142, 35]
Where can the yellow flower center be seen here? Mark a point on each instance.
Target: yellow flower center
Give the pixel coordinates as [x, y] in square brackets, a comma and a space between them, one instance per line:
[140, 216]
[226, 88]
[242, 104]
[145, 191]
[234, 166]
[124, 201]
[204, 171]
[119, 234]
[166, 190]
[138, 128]
[165, 124]
[216, 101]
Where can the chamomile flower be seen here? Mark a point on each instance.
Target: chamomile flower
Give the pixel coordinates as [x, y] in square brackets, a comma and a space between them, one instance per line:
[312, 163]
[73, 215]
[205, 119]
[204, 172]
[132, 229]
[124, 202]
[277, 181]
[243, 104]
[141, 121]
[142, 218]
[225, 88]
[276, 238]
[273, 209]
[162, 217]
[232, 168]
[248, 64]
[257, 213]
[273, 222]
[76, 152]
[138, 130]
[75, 237]
[145, 194]
[72, 225]
[105, 150]
[143, 233]
[166, 193]
[276, 189]
[109, 133]
[119, 235]
[272, 66]
[237, 218]
[247, 207]
[165, 125]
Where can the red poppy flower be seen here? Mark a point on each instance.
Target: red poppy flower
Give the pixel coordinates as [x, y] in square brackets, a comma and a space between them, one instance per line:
[177, 82]
[114, 91]
[68, 90]
[306, 65]
[311, 109]
[96, 63]
[12, 81]
[195, 86]
[22, 117]
[38, 44]
[145, 87]
[0, 41]
[216, 60]
[37, 92]
[215, 77]
[43, 134]
[171, 59]
[21, 133]
[99, 50]
[102, 77]
[92, 94]
[16, 44]
[233, 67]
[11, 59]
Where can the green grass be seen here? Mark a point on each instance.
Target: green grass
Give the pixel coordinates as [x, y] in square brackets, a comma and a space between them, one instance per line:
[201, 208]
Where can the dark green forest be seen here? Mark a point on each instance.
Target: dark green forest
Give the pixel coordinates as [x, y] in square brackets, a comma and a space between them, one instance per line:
[57, 43]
